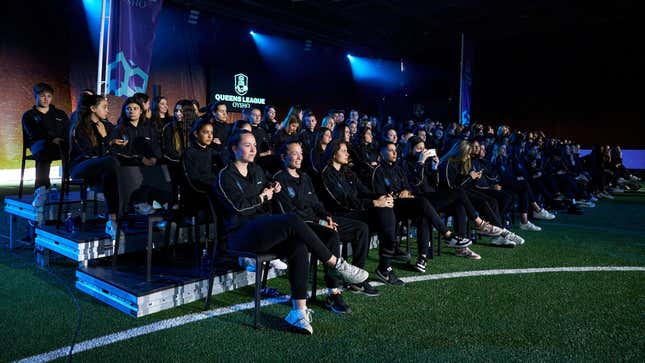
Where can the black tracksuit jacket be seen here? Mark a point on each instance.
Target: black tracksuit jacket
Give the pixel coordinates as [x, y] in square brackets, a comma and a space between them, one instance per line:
[240, 195]
[299, 196]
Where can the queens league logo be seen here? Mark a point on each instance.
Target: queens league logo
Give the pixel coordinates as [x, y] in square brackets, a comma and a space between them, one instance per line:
[241, 84]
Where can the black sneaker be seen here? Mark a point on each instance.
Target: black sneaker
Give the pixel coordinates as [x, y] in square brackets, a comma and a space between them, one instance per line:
[421, 264]
[364, 288]
[336, 304]
[389, 277]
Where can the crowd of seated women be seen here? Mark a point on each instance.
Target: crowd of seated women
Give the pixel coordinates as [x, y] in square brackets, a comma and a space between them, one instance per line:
[299, 186]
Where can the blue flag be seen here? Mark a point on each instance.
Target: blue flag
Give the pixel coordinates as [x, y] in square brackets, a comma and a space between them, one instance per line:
[132, 32]
[467, 53]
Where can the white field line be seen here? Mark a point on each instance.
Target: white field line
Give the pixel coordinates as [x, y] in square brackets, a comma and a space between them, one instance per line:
[195, 317]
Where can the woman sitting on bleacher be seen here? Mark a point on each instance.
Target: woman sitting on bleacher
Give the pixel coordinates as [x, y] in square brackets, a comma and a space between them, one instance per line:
[420, 167]
[520, 186]
[90, 157]
[245, 194]
[143, 180]
[455, 170]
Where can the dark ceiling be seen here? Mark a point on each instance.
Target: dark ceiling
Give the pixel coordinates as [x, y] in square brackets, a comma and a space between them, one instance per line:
[415, 29]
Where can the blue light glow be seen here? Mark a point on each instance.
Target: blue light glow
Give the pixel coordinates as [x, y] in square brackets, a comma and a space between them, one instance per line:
[375, 71]
[276, 49]
[93, 17]
[252, 32]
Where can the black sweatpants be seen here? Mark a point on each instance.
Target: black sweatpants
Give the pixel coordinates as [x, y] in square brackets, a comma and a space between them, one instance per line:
[104, 171]
[504, 199]
[423, 215]
[486, 205]
[287, 236]
[331, 239]
[455, 201]
[544, 186]
[43, 160]
[383, 221]
[357, 234]
[524, 194]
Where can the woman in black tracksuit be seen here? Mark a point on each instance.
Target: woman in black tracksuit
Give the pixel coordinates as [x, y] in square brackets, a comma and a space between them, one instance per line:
[365, 154]
[485, 204]
[517, 183]
[390, 179]
[90, 157]
[315, 156]
[299, 197]
[347, 197]
[142, 150]
[531, 167]
[175, 140]
[245, 194]
[423, 178]
[455, 171]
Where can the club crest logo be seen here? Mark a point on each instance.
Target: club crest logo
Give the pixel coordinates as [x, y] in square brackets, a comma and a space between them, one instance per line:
[241, 84]
[125, 78]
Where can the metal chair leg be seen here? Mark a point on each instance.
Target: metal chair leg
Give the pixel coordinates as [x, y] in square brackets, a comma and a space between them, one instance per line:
[314, 278]
[117, 243]
[259, 271]
[22, 173]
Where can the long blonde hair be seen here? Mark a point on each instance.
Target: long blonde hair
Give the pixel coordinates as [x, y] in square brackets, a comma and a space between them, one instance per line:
[460, 154]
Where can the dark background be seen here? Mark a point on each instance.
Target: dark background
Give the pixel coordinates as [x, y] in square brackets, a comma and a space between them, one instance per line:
[574, 69]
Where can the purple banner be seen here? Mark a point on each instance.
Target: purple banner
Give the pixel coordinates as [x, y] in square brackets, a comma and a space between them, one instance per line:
[467, 54]
[132, 31]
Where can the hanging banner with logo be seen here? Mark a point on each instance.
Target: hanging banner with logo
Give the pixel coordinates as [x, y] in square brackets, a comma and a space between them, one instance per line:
[240, 97]
[466, 80]
[132, 31]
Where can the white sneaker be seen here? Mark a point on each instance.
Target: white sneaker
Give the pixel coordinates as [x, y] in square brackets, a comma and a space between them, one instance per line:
[143, 209]
[609, 196]
[300, 321]
[348, 273]
[593, 198]
[247, 263]
[586, 204]
[278, 264]
[487, 229]
[501, 241]
[508, 235]
[40, 197]
[543, 214]
[459, 242]
[529, 227]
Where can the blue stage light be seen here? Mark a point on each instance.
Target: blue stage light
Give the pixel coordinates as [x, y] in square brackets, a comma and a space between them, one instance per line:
[252, 32]
[276, 49]
[93, 17]
[375, 71]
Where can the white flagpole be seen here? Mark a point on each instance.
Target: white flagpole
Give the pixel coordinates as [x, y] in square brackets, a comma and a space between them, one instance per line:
[99, 76]
[107, 48]
[461, 76]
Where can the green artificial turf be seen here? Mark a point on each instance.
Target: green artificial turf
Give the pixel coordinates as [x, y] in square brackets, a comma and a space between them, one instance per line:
[576, 316]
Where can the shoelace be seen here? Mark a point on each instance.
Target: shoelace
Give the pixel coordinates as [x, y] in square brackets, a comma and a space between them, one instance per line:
[308, 315]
